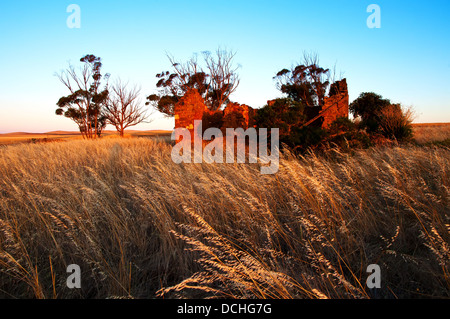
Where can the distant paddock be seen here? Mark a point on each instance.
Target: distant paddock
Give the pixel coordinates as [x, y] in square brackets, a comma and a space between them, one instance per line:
[423, 133]
[61, 136]
[431, 132]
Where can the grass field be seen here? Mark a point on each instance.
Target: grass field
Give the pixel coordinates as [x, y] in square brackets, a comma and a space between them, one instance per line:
[423, 133]
[432, 133]
[59, 136]
[142, 226]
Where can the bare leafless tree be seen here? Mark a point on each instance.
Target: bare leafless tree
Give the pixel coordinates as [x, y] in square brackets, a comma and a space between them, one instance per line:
[224, 76]
[124, 108]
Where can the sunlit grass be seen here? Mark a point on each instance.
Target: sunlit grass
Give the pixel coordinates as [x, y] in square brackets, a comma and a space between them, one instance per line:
[142, 226]
[431, 133]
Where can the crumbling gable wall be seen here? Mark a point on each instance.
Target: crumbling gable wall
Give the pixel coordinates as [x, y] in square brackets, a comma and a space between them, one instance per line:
[336, 105]
[188, 109]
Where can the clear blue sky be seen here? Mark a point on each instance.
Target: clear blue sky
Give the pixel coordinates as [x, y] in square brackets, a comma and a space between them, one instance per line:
[406, 60]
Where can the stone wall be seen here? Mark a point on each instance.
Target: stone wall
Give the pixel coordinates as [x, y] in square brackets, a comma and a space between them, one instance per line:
[336, 105]
[192, 107]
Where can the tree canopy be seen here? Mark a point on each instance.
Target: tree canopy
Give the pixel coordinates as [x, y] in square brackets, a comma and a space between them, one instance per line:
[306, 83]
[368, 106]
[85, 103]
[215, 80]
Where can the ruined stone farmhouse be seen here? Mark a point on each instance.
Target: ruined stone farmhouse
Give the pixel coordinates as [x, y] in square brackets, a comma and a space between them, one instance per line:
[192, 107]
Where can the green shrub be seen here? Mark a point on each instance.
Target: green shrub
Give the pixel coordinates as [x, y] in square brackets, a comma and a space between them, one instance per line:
[288, 116]
[368, 106]
[347, 134]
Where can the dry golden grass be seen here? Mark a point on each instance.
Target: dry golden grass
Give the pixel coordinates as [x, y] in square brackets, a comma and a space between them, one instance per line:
[57, 136]
[141, 226]
[431, 132]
